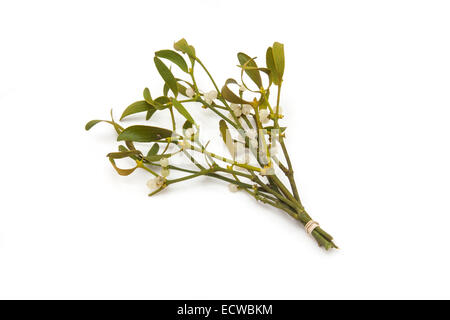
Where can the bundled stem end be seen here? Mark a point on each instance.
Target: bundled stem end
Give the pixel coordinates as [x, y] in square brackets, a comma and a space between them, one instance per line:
[322, 239]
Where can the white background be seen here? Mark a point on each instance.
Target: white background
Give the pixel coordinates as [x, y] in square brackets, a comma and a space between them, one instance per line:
[366, 98]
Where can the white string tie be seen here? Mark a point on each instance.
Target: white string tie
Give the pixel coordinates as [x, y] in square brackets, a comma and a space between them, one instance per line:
[310, 226]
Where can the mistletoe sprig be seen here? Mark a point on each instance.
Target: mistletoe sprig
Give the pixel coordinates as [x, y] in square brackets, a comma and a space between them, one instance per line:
[249, 124]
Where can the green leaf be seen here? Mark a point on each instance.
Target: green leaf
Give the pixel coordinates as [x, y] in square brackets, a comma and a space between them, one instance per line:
[161, 103]
[271, 66]
[162, 100]
[230, 95]
[278, 57]
[118, 128]
[156, 157]
[138, 106]
[173, 57]
[226, 136]
[167, 75]
[275, 62]
[181, 89]
[123, 154]
[147, 96]
[187, 124]
[124, 149]
[184, 47]
[245, 67]
[141, 133]
[150, 113]
[153, 150]
[166, 89]
[245, 60]
[182, 110]
[92, 123]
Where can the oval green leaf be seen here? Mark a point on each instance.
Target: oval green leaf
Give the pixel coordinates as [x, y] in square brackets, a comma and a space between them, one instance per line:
[124, 149]
[141, 133]
[229, 95]
[245, 60]
[161, 103]
[166, 89]
[156, 157]
[153, 150]
[173, 57]
[92, 123]
[123, 154]
[181, 89]
[274, 76]
[138, 106]
[167, 75]
[182, 110]
[275, 62]
[162, 100]
[187, 124]
[278, 58]
[147, 96]
[150, 113]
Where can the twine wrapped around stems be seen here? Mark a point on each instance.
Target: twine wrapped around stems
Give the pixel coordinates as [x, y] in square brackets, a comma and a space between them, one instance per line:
[310, 226]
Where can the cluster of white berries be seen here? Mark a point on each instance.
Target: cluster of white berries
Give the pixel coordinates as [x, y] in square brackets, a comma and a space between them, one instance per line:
[280, 111]
[164, 162]
[190, 93]
[156, 183]
[210, 96]
[189, 132]
[232, 187]
[246, 109]
[183, 144]
[264, 116]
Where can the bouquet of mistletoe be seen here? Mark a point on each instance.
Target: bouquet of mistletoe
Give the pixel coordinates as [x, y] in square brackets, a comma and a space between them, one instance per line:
[249, 124]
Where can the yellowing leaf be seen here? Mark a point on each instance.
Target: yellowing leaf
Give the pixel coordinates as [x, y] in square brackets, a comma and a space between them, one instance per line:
[122, 172]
